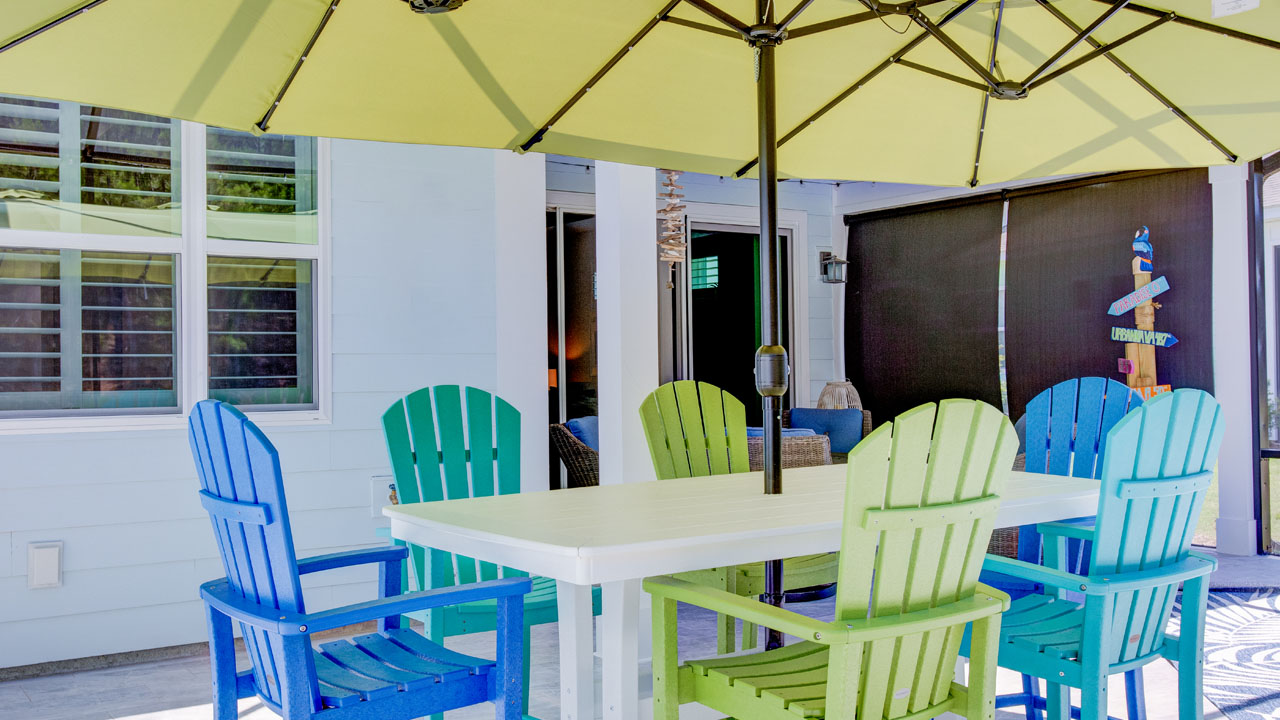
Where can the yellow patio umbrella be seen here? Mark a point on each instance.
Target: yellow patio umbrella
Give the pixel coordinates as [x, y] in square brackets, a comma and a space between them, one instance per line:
[943, 92]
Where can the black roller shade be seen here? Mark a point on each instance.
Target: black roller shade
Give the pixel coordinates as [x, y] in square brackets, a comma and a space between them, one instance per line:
[921, 306]
[1069, 255]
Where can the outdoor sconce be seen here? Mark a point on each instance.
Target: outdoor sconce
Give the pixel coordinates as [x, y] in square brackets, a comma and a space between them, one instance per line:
[831, 267]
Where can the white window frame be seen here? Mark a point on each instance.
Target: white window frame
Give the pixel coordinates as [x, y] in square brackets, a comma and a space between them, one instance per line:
[191, 251]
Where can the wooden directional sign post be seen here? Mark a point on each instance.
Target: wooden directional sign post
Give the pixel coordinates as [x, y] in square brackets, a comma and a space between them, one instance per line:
[1137, 297]
[1141, 340]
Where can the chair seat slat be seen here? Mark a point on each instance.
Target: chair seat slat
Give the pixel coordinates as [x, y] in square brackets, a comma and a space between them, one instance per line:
[384, 650]
[352, 658]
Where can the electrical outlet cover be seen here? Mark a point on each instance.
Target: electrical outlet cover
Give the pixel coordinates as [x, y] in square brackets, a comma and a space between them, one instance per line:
[44, 565]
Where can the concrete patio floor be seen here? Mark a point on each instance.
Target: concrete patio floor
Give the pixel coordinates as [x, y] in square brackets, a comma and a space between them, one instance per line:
[178, 689]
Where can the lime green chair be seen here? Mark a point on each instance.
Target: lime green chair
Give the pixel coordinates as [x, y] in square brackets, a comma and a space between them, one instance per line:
[696, 430]
[919, 508]
[438, 452]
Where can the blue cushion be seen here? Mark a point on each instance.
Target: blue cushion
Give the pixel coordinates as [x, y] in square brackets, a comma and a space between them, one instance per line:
[786, 432]
[586, 429]
[844, 427]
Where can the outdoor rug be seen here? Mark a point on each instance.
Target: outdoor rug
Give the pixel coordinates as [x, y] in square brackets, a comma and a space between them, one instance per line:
[1242, 653]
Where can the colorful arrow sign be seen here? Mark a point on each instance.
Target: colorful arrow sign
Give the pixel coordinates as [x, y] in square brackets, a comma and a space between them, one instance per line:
[1139, 296]
[1145, 337]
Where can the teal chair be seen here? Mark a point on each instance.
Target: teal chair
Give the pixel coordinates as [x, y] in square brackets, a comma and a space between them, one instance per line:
[434, 436]
[1158, 466]
[1064, 432]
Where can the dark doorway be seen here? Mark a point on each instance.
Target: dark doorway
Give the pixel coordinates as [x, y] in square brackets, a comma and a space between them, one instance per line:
[724, 282]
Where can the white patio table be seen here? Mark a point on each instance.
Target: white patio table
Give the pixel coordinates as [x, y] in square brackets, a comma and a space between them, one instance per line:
[616, 535]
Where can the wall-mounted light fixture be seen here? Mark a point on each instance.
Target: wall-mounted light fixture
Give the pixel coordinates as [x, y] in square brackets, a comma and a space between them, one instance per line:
[831, 267]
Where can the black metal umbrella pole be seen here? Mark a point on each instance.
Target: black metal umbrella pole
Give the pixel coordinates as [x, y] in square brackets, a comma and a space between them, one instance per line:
[771, 358]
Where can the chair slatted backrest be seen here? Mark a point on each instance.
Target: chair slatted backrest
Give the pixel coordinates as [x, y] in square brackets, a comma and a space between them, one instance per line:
[694, 429]
[1158, 468]
[1067, 424]
[448, 442]
[243, 492]
[919, 510]
[1066, 434]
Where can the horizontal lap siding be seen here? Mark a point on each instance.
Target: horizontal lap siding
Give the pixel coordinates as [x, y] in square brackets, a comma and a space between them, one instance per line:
[412, 305]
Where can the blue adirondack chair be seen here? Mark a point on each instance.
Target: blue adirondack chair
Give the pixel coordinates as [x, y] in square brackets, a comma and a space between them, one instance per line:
[1064, 433]
[487, 440]
[1157, 468]
[392, 673]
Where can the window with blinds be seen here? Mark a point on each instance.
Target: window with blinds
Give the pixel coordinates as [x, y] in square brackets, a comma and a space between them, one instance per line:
[261, 188]
[87, 331]
[84, 169]
[260, 332]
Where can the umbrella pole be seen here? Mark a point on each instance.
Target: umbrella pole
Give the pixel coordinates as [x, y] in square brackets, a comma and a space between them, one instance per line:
[771, 358]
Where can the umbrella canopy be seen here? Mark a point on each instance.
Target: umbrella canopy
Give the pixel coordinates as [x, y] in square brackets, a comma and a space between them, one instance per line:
[865, 90]
[931, 91]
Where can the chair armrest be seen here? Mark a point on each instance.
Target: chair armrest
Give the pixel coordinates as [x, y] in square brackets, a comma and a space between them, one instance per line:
[389, 553]
[987, 601]
[1079, 529]
[219, 594]
[737, 606]
[1195, 565]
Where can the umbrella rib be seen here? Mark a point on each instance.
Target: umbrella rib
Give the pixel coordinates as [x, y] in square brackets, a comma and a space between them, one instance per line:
[795, 13]
[713, 29]
[944, 75]
[1202, 25]
[847, 20]
[1099, 52]
[586, 88]
[860, 82]
[832, 24]
[986, 99]
[51, 24]
[1159, 96]
[723, 17]
[297, 65]
[954, 48]
[1080, 37]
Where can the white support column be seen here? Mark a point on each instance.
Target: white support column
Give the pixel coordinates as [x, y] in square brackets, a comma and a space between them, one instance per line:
[839, 246]
[626, 316]
[1236, 525]
[520, 269]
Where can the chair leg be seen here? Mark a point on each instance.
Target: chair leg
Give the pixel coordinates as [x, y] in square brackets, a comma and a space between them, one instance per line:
[524, 689]
[1057, 701]
[222, 659]
[666, 682]
[510, 640]
[1195, 598]
[434, 630]
[750, 635]
[1135, 695]
[726, 626]
[984, 646]
[1031, 689]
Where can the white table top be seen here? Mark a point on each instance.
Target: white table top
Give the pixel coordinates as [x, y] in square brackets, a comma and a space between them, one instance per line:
[618, 532]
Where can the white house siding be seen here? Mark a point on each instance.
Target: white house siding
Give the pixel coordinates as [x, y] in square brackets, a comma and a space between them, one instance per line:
[814, 199]
[414, 300]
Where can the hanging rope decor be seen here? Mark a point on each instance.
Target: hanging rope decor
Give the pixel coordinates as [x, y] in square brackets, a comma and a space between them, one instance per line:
[671, 241]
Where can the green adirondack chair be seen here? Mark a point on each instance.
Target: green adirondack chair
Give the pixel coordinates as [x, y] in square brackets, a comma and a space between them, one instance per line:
[1157, 468]
[695, 429]
[432, 443]
[919, 508]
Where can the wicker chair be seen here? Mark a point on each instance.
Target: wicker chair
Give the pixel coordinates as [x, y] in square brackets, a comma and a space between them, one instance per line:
[582, 462]
[1004, 541]
[797, 451]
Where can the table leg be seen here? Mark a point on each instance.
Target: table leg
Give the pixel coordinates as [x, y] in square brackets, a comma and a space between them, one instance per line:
[621, 671]
[577, 673]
